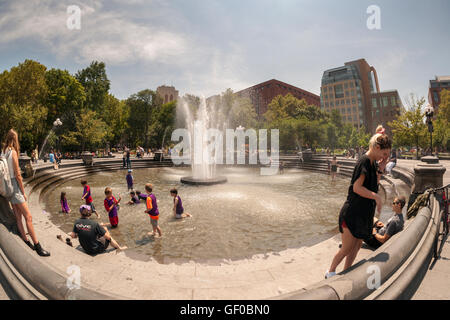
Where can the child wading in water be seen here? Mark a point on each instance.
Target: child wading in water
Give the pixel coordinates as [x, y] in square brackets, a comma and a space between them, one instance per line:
[134, 199]
[334, 167]
[178, 209]
[111, 206]
[152, 209]
[87, 196]
[64, 205]
[129, 178]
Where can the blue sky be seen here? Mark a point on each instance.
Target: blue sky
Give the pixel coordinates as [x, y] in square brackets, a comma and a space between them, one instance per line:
[205, 46]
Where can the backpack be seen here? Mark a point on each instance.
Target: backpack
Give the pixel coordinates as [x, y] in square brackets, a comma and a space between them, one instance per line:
[6, 188]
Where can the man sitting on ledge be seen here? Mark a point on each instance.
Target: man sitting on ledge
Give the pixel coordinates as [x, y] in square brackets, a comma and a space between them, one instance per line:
[382, 233]
[94, 238]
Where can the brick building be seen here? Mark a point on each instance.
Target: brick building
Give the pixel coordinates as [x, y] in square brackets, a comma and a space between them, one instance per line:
[262, 94]
[167, 93]
[354, 91]
[434, 92]
[386, 106]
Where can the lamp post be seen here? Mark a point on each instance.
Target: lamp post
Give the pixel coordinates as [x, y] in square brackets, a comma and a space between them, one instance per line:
[56, 124]
[429, 112]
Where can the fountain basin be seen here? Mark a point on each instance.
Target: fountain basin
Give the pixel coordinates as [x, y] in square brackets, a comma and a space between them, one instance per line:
[204, 182]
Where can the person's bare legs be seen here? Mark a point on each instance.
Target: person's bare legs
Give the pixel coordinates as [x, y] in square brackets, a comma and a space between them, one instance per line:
[348, 243]
[23, 208]
[113, 242]
[352, 256]
[19, 223]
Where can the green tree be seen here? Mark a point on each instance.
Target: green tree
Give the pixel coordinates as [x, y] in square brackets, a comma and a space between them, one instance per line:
[441, 135]
[115, 115]
[22, 94]
[141, 107]
[96, 85]
[65, 98]
[90, 131]
[409, 128]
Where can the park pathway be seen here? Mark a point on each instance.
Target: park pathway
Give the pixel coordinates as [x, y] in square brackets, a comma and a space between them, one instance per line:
[436, 283]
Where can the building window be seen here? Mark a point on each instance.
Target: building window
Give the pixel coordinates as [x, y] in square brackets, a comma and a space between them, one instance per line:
[435, 97]
[349, 110]
[385, 101]
[345, 85]
[171, 97]
[337, 102]
[326, 104]
[347, 101]
[338, 91]
[353, 101]
[374, 102]
[351, 84]
[346, 93]
[325, 89]
[354, 109]
[331, 104]
[393, 101]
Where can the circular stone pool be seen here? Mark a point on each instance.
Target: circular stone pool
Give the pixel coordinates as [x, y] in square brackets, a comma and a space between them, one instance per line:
[251, 214]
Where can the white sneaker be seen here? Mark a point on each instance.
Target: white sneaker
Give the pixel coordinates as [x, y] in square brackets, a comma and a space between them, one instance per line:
[329, 274]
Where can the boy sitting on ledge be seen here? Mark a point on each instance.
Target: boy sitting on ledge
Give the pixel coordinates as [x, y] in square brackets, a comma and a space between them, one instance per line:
[382, 233]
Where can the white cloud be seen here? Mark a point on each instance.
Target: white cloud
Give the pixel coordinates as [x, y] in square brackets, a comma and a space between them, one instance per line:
[106, 36]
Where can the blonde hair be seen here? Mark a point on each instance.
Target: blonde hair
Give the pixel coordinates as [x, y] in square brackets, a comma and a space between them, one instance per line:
[380, 129]
[12, 141]
[108, 190]
[380, 139]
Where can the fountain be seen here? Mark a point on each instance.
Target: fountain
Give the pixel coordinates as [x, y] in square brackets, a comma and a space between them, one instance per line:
[203, 169]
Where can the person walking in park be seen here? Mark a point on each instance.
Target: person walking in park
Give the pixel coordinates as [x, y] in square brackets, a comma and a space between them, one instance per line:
[11, 150]
[357, 214]
[94, 238]
[124, 157]
[128, 159]
[152, 209]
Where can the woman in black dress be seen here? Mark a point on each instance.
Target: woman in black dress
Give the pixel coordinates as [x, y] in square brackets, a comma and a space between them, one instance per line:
[356, 216]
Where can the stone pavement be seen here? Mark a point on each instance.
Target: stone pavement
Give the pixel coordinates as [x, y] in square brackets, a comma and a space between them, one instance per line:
[436, 283]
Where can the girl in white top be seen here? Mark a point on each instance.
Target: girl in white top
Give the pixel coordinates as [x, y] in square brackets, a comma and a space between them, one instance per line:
[11, 150]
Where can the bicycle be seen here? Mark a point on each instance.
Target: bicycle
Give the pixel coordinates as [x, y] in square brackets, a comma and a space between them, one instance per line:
[444, 221]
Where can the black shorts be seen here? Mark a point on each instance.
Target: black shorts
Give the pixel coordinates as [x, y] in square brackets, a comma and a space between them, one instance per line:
[373, 242]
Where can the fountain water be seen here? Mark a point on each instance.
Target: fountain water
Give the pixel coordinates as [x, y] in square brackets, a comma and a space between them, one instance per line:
[203, 169]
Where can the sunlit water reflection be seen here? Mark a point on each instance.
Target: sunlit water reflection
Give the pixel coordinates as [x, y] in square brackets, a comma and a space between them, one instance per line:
[251, 214]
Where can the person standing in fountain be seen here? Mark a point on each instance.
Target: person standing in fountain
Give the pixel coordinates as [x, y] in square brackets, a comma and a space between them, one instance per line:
[11, 150]
[357, 213]
[64, 204]
[178, 209]
[334, 166]
[111, 206]
[87, 196]
[129, 179]
[152, 209]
